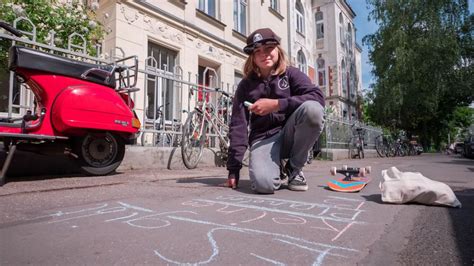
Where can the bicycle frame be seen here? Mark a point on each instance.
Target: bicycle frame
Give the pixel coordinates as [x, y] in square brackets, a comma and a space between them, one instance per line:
[202, 120]
[217, 124]
[357, 143]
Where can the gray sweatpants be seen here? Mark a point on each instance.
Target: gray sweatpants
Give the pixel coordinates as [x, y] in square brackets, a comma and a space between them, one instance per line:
[293, 142]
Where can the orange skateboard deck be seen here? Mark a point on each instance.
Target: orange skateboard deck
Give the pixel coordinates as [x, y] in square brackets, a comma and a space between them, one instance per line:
[355, 179]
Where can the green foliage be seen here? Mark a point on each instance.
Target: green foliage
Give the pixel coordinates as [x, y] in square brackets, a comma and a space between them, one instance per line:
[47, 15]
[459, 122]
[423, 64]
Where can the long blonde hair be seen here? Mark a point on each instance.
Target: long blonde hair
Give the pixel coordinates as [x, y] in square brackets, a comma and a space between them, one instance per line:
[280, 66]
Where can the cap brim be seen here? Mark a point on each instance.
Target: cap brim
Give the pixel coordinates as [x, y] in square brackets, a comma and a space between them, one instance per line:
[251, 47]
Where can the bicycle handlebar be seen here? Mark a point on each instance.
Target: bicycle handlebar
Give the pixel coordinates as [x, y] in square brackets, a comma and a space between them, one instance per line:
[10, 29]
[223, 92]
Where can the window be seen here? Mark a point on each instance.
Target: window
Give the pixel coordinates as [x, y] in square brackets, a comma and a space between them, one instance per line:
[343, 78]
[237, 78]
[160, 91]
[302, 62]
[349, 37]
[319, 25]
[353, 82]
[299, 17]
[240, 16]
[341, 29]
[321, 71]
[209, 7]
[275, 5]
[208, 76]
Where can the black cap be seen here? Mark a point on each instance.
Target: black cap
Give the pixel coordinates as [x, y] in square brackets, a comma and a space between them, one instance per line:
[260, 37]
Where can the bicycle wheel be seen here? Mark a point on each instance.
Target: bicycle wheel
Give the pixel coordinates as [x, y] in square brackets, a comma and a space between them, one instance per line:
[360, 150]
[163, 140]
[380, 147]
[193, 139]
[353, 149]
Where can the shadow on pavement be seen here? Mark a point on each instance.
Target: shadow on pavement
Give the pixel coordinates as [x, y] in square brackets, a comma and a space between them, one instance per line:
[31, 166]
[377, 198]
[459, 160]
[244, 185]
[462, 221]
[27, 163]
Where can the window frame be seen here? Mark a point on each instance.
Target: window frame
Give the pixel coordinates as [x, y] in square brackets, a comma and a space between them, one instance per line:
[319, 25]
[302, 62]
[163, 86]
[321, 70]
[275, 5]
[300, 23]
[349, 36]
[203, 5]
[341, 29]
[240, 7]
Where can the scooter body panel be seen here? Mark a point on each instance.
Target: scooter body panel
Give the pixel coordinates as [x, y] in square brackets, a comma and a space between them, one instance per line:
[8, 128]
[74, 107]
[91, 106]
[77, 110]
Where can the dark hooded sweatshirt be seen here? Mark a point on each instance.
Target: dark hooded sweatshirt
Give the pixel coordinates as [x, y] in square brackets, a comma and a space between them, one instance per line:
[291, 88]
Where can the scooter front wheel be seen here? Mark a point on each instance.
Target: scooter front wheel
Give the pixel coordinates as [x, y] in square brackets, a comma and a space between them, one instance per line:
[100, 153]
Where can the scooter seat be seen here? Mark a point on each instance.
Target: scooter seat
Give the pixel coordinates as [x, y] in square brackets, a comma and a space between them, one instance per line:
[26, 58]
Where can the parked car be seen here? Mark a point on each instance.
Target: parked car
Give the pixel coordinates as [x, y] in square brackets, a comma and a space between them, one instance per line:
[458, 147]
[468, 147]
[418, 149]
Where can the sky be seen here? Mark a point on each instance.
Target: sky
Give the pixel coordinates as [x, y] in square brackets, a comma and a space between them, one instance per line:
[365, 27]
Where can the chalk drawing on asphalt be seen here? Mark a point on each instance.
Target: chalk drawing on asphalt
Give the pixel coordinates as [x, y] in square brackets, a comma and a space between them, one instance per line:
[250, 215]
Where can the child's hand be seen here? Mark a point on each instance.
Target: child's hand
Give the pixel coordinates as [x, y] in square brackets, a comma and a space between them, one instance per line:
[264, 106]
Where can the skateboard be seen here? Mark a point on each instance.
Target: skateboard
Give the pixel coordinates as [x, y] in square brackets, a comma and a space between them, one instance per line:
[354, 181]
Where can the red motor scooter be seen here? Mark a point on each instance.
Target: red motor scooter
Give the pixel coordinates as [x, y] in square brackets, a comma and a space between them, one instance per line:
[82, 110]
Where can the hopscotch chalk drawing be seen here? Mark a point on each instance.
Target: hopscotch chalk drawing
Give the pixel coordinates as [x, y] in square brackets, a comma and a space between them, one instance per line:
[259, 220]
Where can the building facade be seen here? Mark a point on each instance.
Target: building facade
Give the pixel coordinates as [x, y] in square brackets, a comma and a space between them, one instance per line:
[323, 45]
[201, 41]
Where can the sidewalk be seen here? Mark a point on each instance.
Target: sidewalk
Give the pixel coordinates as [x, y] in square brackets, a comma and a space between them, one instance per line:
[136, 158]
[139, 157]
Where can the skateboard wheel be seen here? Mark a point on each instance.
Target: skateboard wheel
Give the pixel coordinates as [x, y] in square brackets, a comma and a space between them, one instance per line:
[368, 169]
[344, 167]
[333, 170]
[362, 171]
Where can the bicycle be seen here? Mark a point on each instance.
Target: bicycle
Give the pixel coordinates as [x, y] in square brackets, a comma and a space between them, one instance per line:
[356, 142]
[201, 121]
[164, 131]
[399, 148]
[383, 146]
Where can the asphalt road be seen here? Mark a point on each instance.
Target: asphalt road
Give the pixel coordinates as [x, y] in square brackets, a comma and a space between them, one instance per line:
[164, 217]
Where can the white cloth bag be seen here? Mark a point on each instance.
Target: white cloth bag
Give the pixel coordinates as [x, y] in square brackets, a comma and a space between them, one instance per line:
[401, 187]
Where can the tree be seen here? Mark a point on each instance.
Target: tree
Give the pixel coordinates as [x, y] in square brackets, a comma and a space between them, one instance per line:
[423, 64]
[63, 18]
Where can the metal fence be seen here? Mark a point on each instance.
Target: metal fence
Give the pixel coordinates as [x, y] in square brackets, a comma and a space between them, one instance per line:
[177, 97]
[338, 132]
[19, 99]
[168, 99]
[168, 96]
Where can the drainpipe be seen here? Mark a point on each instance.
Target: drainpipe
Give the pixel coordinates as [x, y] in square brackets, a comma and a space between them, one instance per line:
[289, 29]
